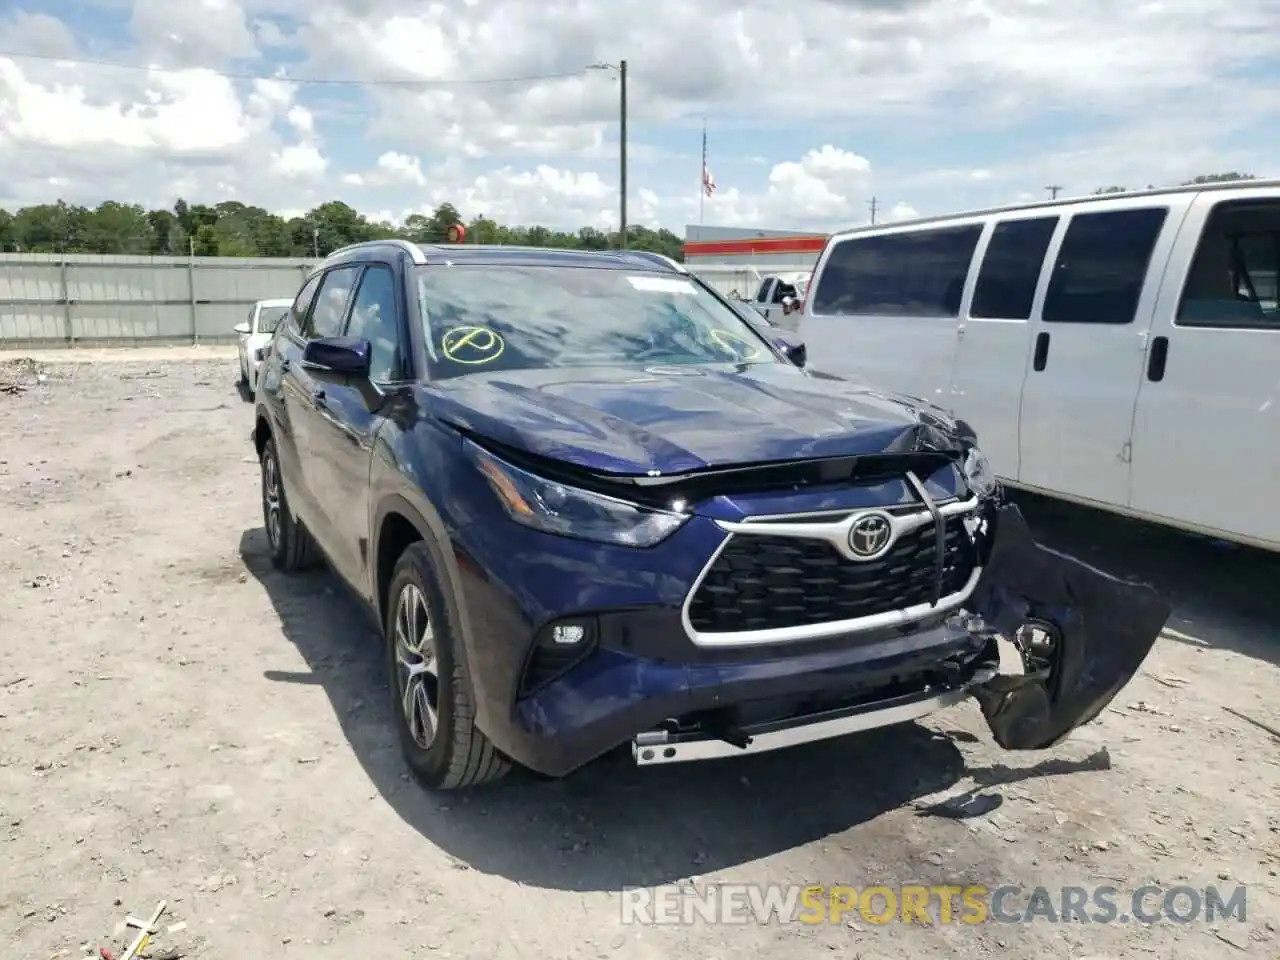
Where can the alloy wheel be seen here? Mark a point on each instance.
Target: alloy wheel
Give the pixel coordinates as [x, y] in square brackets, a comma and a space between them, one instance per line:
[271, 497]
[417, 671]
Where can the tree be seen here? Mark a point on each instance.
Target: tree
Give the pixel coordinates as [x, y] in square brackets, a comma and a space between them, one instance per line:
[234, 229]
[1219, 178]
[117, 228]
[1203, 178]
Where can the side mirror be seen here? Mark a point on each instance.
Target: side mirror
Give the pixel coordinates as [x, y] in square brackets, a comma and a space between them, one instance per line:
[793, 350]
[242, 329]
[339, 356]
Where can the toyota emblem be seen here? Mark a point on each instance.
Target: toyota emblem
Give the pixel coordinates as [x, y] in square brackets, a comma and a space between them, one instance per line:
[870, 535]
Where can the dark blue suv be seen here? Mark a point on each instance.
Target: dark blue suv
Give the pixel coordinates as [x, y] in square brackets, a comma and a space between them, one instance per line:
[591, 506]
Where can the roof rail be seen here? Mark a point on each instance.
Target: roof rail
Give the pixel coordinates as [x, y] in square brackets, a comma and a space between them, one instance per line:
[412, 249]
[652, 257]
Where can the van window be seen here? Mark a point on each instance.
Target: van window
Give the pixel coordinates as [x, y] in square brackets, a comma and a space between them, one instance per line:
[1102, 266]
[1233, 279]
[920, 273]
[1011, 269]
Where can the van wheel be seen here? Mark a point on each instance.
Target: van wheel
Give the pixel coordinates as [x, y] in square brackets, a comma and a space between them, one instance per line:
[431, 692]
[292, 547]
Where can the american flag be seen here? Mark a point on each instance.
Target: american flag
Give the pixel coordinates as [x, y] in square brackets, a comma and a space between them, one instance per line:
[708, 181]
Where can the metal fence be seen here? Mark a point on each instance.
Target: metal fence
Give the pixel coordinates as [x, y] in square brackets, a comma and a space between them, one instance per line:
[50, 300]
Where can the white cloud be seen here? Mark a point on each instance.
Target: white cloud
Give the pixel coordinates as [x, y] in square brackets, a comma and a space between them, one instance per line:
[825, 188]
[400, 168]
[963, 60]
[1164, 89]
[902, 211]
[545, 196]
[300, 160]
[193, 111]
[301, 120]
[192, 31]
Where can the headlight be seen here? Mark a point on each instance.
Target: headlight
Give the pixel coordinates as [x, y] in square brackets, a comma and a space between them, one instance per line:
[570, 512]
[978, 473]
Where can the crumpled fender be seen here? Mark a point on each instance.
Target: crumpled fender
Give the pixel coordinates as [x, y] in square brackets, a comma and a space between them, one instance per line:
[1105, 628]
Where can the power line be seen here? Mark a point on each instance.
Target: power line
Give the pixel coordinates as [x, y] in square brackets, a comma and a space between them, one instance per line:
[301, 81]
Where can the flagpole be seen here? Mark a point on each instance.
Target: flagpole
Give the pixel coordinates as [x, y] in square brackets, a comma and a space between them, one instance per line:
[702, 175]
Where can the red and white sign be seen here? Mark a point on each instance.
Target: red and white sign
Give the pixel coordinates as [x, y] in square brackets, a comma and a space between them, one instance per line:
[756, 246]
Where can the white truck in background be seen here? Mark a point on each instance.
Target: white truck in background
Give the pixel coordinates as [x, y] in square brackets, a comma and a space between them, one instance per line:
[780, 297]
[775, 293]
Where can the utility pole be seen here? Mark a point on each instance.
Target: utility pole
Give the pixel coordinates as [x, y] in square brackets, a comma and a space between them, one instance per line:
[872, 204]
[1053, 189]
[622, 153]
[621, 68]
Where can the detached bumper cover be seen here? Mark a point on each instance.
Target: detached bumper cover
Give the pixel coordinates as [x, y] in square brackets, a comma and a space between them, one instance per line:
[1106, 627]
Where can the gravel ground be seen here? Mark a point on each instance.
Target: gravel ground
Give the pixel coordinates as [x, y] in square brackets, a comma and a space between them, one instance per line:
[179, 722]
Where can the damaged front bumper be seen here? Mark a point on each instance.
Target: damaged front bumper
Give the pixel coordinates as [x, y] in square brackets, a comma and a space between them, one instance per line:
[1056, 638]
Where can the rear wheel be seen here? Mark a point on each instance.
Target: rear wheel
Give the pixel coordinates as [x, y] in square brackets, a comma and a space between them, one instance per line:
[291, 545]
[431, 692]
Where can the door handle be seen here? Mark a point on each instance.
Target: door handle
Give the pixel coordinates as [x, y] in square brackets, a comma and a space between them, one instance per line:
[1156, 359]
[284, 364]
[318, 397]
[1042, 352]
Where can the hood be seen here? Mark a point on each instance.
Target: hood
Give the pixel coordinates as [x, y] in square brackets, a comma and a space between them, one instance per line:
[666, 420]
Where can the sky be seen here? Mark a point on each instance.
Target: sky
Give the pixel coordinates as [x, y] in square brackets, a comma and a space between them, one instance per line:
[813, 108]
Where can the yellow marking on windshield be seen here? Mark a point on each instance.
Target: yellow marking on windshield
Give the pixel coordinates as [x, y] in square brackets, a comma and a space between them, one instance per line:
[472, 345]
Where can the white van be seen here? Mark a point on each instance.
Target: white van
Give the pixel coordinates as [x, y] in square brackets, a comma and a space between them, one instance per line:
[1119, 351]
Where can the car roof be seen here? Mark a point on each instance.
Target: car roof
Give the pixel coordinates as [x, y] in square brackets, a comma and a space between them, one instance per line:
[426, 254]
[278, 302]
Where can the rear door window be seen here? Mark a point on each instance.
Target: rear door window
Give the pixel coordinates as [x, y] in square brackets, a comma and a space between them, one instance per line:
[1011, 269]
[919, 274]
[1102, 266]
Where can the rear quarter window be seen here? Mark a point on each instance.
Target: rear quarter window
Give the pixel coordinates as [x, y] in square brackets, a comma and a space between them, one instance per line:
[920, 273]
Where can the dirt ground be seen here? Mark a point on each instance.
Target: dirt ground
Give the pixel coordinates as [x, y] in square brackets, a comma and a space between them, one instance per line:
[179, 722]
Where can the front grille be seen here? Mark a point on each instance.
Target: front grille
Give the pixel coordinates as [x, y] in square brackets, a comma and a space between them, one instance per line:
[762, 582]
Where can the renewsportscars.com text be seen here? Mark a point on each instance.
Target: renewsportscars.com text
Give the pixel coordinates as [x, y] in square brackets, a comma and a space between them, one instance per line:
[743, 903]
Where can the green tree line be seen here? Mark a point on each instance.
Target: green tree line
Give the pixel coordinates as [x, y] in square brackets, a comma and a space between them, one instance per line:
[232, 229]
[1203, 178]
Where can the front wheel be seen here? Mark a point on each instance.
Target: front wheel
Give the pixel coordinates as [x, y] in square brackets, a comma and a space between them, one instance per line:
[291, 545]
[431, 692]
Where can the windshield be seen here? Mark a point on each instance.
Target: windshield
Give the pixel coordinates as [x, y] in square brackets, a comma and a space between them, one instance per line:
[484, 317]
[268, 317]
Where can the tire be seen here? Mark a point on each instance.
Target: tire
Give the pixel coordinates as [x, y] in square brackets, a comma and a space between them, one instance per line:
[292, 547]
[454, 754]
